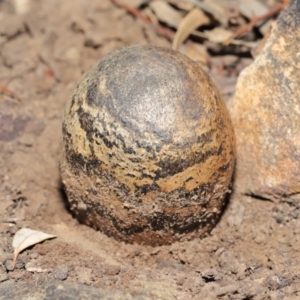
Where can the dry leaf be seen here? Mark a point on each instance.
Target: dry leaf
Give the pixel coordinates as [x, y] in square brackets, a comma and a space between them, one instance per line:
[25, 238]
[166, 13]
[181, 4]
[215, 9]
[266, 26]
[22, 6]
[252, 8]
[32, 266]
[189, 23]
[218, 35]
[134, 3]
[247, 44]
[150, 14]
[197, 53]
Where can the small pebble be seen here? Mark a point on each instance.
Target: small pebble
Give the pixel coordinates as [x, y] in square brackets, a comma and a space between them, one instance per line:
[34, 266]
[228, 289]
[17, 275]
[3, 274]
[294, 214]
[8, 265]
[61, 272]
[20, 264]
[180, 281]
[211, 275]
[111, 270]
[33, 255]
[84, 275]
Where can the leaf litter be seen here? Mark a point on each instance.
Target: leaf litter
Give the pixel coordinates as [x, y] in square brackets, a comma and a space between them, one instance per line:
[25, 238]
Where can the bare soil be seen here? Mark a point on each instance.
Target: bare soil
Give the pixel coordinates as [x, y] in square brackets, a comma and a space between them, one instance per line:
[252, 253]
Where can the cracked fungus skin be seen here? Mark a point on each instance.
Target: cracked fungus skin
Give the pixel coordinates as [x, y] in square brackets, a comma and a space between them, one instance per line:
[148, 147]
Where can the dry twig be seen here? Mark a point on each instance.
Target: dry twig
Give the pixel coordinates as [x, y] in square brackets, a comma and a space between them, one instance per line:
[135, 12]
[244, 29]
[5, 90]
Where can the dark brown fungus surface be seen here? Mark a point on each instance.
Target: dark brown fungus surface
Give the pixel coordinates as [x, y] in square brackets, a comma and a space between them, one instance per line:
[148, 147]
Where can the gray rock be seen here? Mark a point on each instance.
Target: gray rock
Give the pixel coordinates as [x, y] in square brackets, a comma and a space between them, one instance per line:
[52, 289]
[61, 272]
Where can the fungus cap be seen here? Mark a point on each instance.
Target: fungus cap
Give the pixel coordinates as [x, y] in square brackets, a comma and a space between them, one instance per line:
[148, 147]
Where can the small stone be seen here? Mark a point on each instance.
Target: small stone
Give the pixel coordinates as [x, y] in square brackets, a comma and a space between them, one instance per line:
[11, 26]
[168, 264]
[277, 281]
[236, 219]
[211, 275]
[84, 275]
[33, 255]
[61, 272]
[3, 277]
[229, 263]
[4, 257]
[111, 270]
[12, 230]
[180, 281]
[294, 214]
[260, 238]
[41, 249]
[181, 257]
[3, 274]
[17, 274]
[20, 264]
[34, 267]
[228, 289]
[9, 265]
[220, 251]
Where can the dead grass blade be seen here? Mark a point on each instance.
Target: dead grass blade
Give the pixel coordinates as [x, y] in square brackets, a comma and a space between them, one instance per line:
[195, 18]
[166, 13]
[213, 8]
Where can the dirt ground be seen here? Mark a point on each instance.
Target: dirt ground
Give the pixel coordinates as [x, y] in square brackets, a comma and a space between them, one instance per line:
[252, 253]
